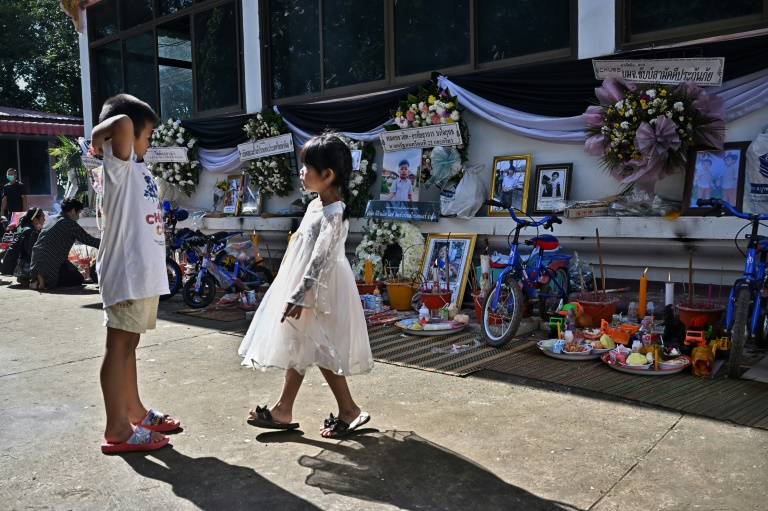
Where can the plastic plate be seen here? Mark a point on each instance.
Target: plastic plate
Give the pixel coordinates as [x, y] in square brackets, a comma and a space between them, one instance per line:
[585, 355]
[650, 371]
[405, 323]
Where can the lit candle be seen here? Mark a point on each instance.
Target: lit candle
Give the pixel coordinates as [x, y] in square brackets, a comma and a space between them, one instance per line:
[669, 297]
[368, 271]
[643, 295]
[435, 276]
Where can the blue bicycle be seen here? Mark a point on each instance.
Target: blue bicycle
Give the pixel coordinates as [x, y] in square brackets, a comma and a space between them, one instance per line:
[200, 290]
[747, 316]
[521, 282]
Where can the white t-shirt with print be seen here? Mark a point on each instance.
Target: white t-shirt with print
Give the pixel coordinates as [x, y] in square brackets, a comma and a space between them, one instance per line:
[131, 260]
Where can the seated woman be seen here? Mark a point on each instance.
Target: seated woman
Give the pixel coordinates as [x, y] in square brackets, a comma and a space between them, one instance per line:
[50, 264]
[17, 258]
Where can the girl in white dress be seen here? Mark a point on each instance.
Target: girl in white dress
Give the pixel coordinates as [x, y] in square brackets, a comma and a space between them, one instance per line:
[311, 314]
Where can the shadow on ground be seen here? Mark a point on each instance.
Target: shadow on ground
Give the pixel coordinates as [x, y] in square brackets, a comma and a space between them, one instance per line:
[404, 470]
[211, 484]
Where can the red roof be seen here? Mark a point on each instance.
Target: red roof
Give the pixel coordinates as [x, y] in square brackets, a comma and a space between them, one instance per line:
[16, 120]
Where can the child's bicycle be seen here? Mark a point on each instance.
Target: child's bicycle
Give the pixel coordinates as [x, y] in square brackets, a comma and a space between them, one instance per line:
[518, 284]
[200, 290]
[747, 315]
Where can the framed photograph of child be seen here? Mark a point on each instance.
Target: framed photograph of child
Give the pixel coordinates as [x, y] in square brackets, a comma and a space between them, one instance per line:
[233, 195]
[400, 175]
[447, 258]
[715, 174]
[553, 187]
[509, 184]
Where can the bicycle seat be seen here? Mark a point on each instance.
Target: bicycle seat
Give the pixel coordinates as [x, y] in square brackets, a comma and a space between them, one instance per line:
[544, 242]
[218, 236]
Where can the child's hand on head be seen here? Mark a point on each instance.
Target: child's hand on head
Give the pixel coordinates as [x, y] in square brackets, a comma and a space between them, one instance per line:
[94, 150]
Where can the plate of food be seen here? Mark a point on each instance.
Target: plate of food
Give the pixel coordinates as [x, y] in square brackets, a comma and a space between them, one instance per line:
[413, 327]
[571, 351]
[649, 370]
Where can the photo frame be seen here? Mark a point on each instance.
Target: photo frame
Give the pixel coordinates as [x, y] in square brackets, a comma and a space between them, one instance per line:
[717, 169]
[234, 195]
[458, 250]
[552, 187]
[395, 165]
[510, 182]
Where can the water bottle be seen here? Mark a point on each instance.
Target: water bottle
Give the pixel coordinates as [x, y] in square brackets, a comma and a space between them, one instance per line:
[378, 303]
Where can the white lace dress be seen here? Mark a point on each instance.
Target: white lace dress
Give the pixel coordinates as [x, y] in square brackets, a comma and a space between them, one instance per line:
[315, 274]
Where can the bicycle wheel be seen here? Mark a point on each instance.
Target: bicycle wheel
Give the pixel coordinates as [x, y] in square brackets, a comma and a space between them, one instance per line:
[549, 305]
[174, 278]
[262, 275]
[203, 297]
[500, 325]
[738, 332]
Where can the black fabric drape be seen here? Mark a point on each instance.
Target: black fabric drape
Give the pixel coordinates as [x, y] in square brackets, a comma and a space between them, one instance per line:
[218, 132]
[565, 89]
[558, 89]
[354, 115]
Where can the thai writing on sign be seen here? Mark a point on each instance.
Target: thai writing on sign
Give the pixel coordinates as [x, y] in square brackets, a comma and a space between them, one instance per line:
[91, 163]
[425, 136]
[166, 154]
[705, 71]
[266, 147]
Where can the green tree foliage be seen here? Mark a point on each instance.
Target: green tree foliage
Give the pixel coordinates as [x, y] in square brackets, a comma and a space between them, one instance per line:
[40, 59]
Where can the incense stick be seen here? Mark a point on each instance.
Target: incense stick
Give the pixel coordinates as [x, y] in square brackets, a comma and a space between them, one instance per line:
[600, 257]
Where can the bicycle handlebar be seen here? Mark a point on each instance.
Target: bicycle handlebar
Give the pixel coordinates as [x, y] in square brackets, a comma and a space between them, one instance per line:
[719, 204]
[547, 221]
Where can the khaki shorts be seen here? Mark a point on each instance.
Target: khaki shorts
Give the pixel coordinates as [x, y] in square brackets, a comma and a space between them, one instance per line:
[135, 316]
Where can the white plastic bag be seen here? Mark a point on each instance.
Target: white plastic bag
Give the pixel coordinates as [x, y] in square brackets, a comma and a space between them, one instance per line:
[756, 182]
[467, 199]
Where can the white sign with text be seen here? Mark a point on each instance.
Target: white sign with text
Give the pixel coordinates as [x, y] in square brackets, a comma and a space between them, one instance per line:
[166, 155]
[357, 154]
[705, 71]
[266, 147]
[425, 136]
[91, 163]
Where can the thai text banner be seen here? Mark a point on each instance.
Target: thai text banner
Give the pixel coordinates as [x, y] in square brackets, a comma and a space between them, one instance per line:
[705, 72]
[266, 147]
[425, 136]
[166, 154]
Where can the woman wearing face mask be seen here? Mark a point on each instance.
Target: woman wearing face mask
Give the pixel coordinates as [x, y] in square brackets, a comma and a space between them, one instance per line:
[17, 258]
[50, 264]
[14, 194]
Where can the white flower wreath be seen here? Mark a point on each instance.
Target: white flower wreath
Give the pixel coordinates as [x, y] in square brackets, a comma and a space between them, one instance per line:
[378, 235]
[172, 134]
[273, 174]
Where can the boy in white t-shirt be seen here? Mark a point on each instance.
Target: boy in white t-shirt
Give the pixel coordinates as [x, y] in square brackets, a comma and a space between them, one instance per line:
[131, 269]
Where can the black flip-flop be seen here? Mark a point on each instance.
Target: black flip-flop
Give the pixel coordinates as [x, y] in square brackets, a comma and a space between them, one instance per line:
[264, 420]
[341, 428]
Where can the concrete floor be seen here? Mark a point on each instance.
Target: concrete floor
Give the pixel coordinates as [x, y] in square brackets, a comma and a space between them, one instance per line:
[488, 441]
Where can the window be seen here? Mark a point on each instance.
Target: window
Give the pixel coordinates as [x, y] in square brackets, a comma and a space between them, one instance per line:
[660, 20]
[180, 56]
[30, 158]
[332, 47]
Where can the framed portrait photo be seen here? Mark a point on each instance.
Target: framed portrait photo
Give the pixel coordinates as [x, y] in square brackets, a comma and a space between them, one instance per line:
[715, 174]
[553, 186]
[233, 195]
[449, 256]
[509, 184]
[400, 175]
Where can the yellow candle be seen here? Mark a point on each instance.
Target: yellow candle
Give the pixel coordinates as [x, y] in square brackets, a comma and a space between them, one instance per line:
[559, 335]
[368, 271]
[643, 295]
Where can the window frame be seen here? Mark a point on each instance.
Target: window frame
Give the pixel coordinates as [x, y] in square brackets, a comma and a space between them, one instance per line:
[19, 137]
[625, 40]
[190, 12]
[391, 81]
